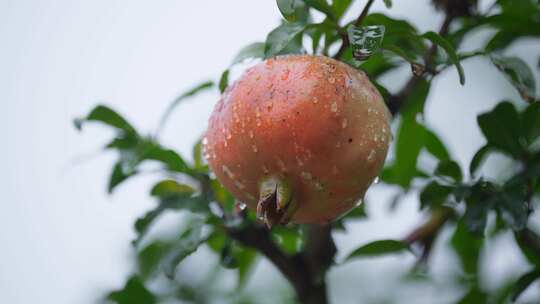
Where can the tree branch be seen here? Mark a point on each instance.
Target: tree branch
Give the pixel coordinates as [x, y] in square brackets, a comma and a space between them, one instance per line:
[304, 271]
[395, 102]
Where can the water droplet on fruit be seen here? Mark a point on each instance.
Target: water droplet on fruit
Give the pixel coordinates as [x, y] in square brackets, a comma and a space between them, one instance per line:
[227, 171]
[241, 206]
[358, 203]
[344, 123]
[239, 185]
[376, 180]
[229, 136]
[285, 75]
[306, 175]
[250, 134]
[331, 80]
[205, 141]
[281, 165]
[254, 147]
[371, 155]
[258, 122]
[333, 107]
[315, 100]
[225, 144]
[206, 156]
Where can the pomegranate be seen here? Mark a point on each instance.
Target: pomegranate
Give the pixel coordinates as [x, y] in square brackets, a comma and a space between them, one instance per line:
[299, 138]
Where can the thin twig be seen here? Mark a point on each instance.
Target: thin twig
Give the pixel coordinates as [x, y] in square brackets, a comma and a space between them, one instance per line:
[395, 102]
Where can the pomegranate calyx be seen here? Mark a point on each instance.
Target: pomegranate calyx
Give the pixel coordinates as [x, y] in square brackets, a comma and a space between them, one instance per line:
[276, 202]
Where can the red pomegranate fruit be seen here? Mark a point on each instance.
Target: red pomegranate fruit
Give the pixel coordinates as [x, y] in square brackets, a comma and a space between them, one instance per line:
[299, 138]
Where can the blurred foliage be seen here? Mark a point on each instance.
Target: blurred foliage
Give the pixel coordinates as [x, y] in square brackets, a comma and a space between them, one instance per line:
[460, 198]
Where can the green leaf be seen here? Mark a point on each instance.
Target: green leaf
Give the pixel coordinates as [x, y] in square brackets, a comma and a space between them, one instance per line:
[450, 169]
[479, 158]
[118, 175]
[191, 92]
[435, 146]
[169, 187]
[254, 50]
[480, 199]
[227, 258]
[531, 122]
[527, 241]
[467, 248]
[339, 7]
[224, 81]
[172, 160]
[180, 201]
[524, 282]
[519, 74]
[365, 40]
[450, 51]
[107, 116]
[134, 292]
[286, 7]
[199, 163]
[378, 248]
[323, 7]
[290, 240]
[512, 206]
[501, 127]
[149, 258]
[434, 194]
[188, 243]
[247, 259]
[278, 39]
[474, 296]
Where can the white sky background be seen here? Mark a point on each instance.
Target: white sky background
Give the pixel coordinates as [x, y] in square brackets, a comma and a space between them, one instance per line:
[62, 239]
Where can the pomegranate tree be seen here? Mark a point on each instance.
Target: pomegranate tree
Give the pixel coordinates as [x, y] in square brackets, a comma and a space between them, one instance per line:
[299, 138]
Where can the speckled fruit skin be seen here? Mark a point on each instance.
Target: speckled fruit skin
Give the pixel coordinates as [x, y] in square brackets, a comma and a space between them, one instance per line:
[311, 119]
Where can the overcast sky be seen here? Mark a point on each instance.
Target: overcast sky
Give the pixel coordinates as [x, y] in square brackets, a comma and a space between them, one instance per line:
[63, 240]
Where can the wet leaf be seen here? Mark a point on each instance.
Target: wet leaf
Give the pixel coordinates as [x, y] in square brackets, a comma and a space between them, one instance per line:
[134, 292]
[519, 74]
[524, 282]
[254, 50]
[449, 168]
[450, 51]
[467, 248]
[187, 244]
[479, 158]
[377, 248]
[501, 127]
[149, 258]
[106, 116]
[531, 122]
[434, 194]
[278, 39]
[224, 81]
[169, 187]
